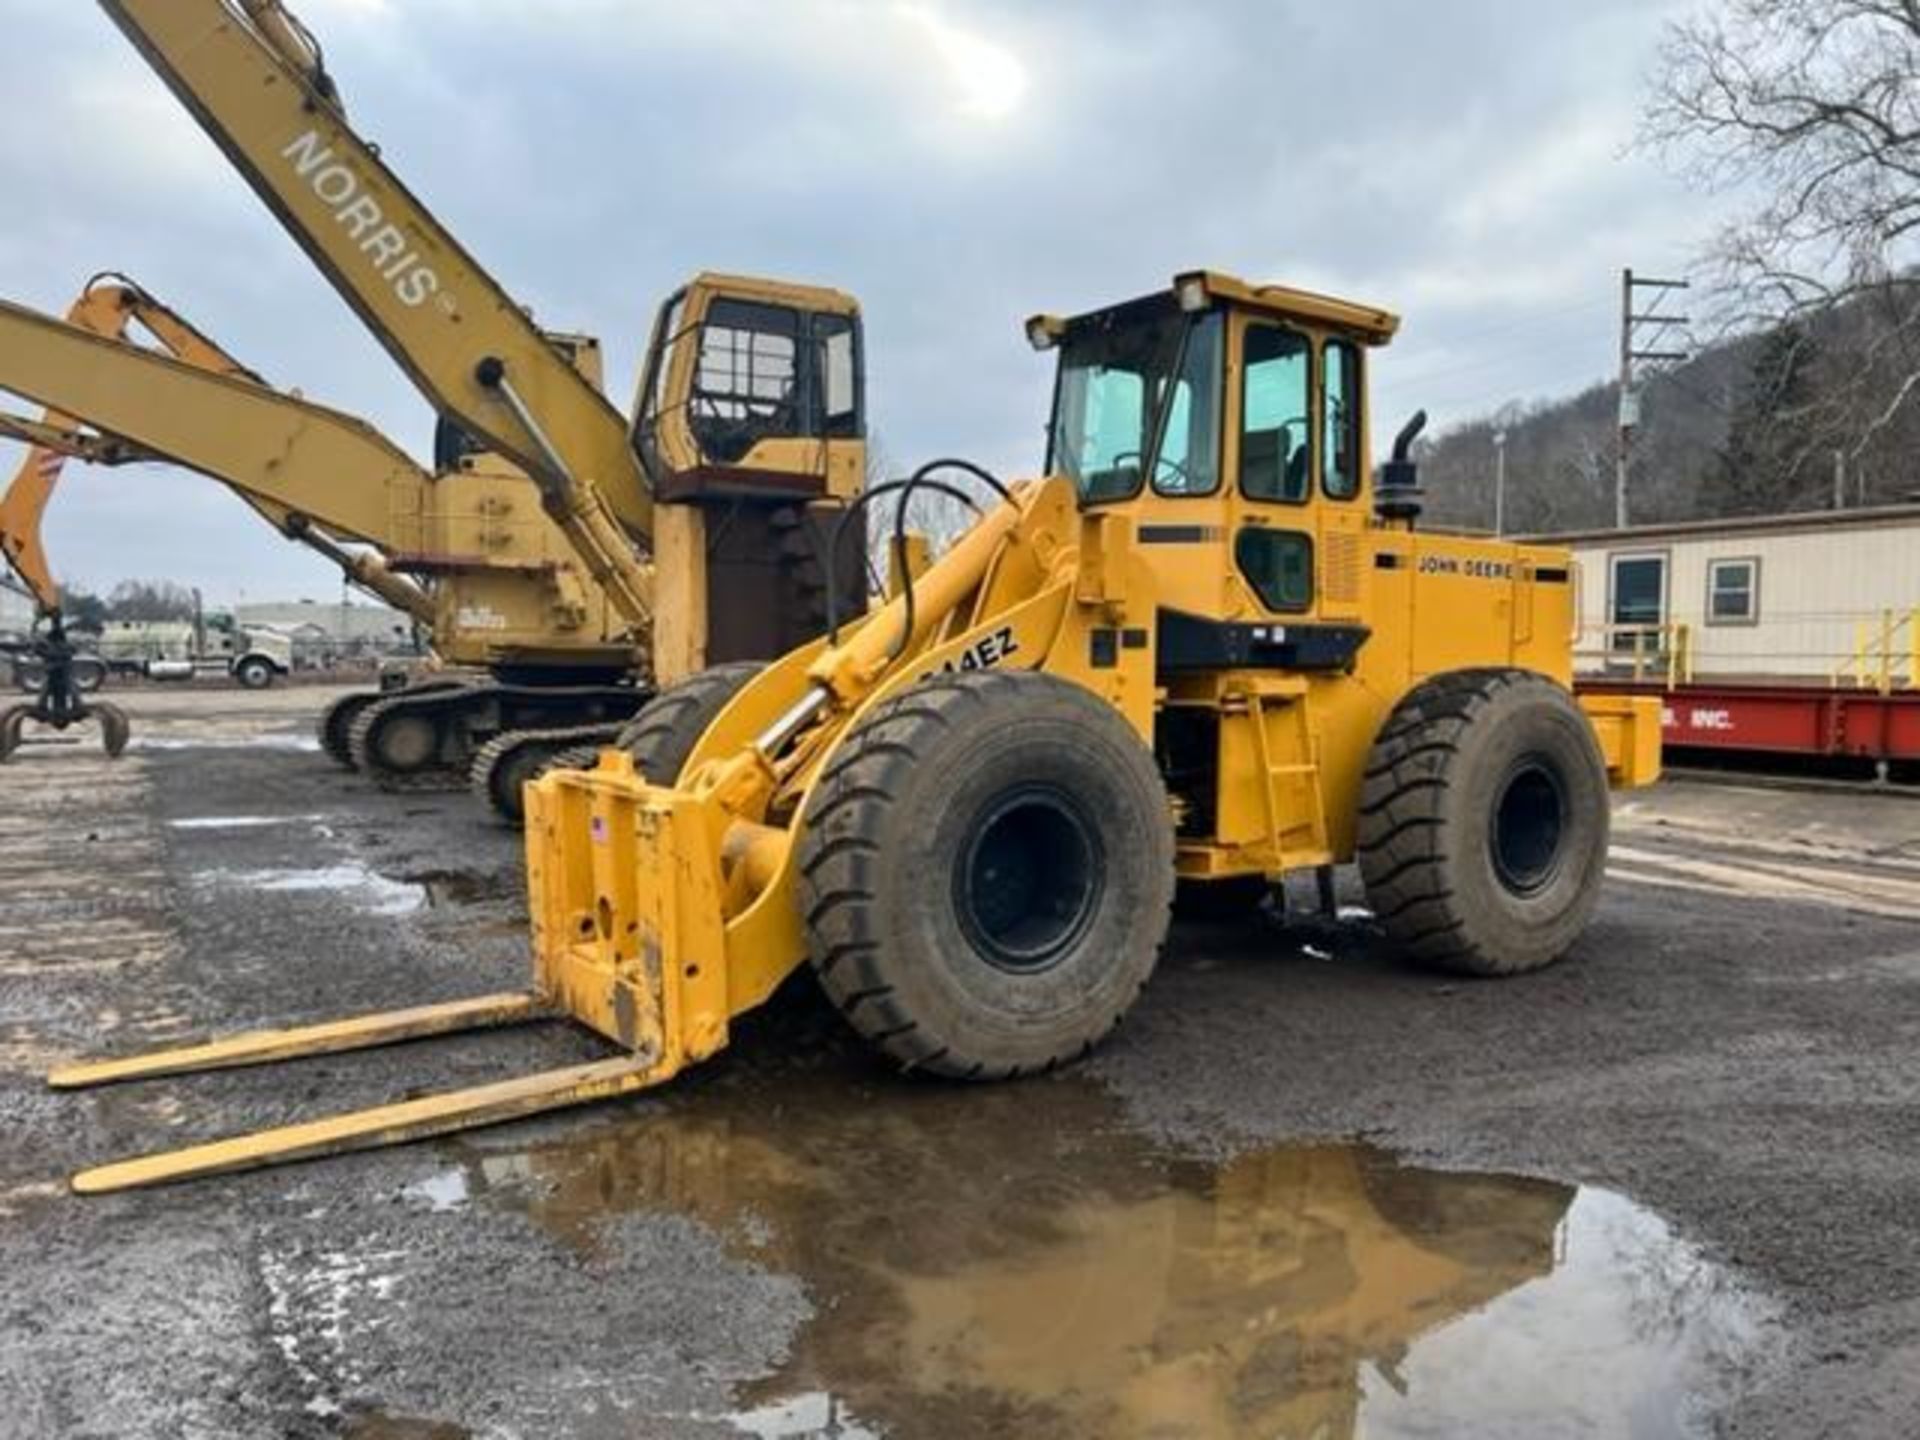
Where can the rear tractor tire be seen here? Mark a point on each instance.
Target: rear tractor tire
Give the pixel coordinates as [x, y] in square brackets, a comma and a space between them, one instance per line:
[1483, 823]
[986, 871]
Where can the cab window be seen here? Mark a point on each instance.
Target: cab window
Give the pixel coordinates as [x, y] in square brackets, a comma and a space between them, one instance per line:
[1278, 564]
[1188, 459]
[746, 384]
[1340, 467]
[1275, 432]
[839, 360]
[1137, 396]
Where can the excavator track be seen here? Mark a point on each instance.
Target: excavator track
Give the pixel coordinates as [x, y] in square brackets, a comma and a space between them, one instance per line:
[335, 727]
[419, 741]
[506, 762]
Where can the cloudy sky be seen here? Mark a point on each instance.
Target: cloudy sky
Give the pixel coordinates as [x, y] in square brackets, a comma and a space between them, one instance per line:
[958, 164]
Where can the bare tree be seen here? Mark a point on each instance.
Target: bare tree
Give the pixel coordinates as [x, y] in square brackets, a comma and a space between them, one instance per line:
[150, 600]
[936, 514]
[1813, 106]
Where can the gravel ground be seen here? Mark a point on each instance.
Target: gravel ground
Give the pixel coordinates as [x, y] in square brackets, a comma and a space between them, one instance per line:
[1731, 1048]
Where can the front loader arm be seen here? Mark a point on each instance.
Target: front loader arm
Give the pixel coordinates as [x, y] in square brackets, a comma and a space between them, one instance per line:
[254, 82]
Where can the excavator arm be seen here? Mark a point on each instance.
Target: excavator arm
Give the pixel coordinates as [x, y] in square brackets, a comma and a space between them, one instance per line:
[109, 307]
[285, 455]
[51, 442]
[255, 81]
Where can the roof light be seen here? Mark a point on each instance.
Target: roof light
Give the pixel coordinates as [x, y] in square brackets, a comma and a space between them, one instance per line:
[1191, 290]
[1043, 332]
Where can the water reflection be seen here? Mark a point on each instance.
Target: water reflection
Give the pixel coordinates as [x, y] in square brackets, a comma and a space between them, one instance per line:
[1014, 1261]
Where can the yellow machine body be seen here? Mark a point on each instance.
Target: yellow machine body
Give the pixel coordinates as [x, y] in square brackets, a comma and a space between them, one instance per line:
[638, 890]
[1252, 610]
[504, 582]
[761, 400]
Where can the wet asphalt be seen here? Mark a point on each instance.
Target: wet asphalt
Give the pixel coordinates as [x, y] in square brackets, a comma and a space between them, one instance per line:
[1669, 1187]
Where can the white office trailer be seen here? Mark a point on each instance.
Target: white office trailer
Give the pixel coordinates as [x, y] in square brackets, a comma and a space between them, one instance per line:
[1831, 598]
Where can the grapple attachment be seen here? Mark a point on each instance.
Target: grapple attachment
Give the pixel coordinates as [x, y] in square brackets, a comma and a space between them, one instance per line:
[60, 703]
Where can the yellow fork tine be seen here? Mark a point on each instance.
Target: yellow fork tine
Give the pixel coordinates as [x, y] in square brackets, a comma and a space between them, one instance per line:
[264, 1047]
[384, 1124]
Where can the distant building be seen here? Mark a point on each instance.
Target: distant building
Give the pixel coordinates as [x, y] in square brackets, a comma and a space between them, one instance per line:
[1828, 596]
[356, 628]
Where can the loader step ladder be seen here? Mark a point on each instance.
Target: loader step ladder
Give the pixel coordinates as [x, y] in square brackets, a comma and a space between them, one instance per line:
[1262, 700]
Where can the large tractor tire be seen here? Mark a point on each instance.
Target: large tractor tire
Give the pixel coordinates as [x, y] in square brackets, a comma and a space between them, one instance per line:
[1483, 822]
[986, 870]
[662, 733]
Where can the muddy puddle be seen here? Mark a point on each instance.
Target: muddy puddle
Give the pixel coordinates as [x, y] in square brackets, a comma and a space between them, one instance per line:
[301, 743]
[372, 892]
[443, 888]
[1014, 1261]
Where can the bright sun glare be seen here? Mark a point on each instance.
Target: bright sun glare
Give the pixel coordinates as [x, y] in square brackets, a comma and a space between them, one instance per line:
[989, 79]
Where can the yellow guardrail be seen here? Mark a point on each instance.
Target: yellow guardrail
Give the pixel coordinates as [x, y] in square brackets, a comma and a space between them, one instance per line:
[1886, 653]
[1659, 652]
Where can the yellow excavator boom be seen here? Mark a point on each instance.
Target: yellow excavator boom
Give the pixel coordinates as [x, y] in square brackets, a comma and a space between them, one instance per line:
[254, 81]
[109, 307]
[321, 475]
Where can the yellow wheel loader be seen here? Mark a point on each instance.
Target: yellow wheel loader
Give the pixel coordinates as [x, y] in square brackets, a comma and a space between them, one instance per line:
[1209, 646]
[692, 533]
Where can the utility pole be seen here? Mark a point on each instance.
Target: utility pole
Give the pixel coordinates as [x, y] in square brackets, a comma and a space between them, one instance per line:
[1630, 354]
[1839, 478]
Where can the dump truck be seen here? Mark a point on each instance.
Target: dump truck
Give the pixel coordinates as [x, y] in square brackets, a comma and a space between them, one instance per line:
[1209, 646]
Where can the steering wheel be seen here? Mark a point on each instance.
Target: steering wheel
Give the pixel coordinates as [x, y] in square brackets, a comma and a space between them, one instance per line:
[1174, 465]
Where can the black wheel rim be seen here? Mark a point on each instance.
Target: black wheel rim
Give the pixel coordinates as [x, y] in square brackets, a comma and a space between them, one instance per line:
[1028, 879]
[1529, 830]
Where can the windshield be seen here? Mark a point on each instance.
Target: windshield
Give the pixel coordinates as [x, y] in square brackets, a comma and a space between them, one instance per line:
[1132, 387]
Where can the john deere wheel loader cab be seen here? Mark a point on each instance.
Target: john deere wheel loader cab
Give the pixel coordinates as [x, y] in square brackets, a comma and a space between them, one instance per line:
[1207, 646]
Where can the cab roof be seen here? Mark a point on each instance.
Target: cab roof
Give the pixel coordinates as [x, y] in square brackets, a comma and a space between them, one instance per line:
[1197, 289]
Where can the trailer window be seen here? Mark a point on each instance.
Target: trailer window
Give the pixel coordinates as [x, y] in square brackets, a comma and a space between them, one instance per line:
[1733, 591]
[1639, 607]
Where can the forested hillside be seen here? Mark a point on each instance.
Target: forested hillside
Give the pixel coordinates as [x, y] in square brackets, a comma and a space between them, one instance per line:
[1751, 425]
